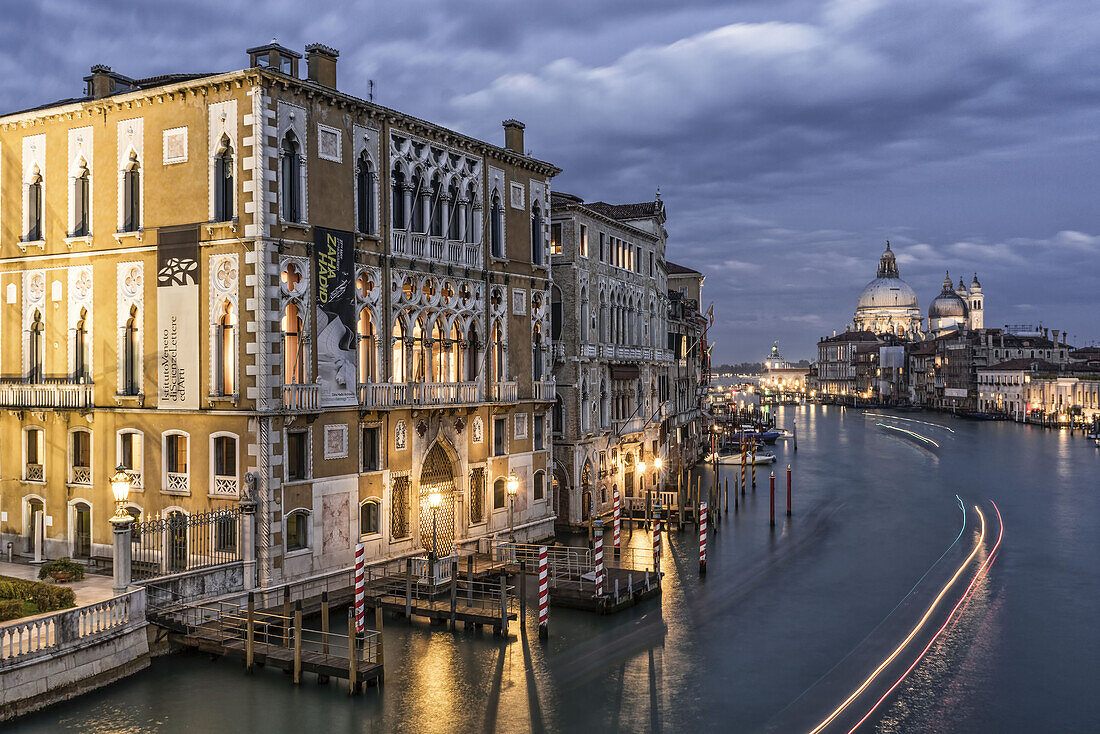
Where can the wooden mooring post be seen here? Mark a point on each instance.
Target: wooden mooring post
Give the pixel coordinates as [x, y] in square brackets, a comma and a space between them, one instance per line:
[324, 622]
[381, 650]
[454, 591]
[286, 615]
[523, 589]
[469, 581]
[504, 605]
[408, 589]
[298, 642]
[353, 682]
[250, 634]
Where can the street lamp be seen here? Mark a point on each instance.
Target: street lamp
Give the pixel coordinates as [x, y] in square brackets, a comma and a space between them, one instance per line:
[512, 485]
[120, 487]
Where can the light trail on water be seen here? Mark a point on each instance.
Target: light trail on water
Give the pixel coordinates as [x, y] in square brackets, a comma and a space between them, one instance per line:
[981, 572]
[911, 433]
[904, 643]
[911, 420]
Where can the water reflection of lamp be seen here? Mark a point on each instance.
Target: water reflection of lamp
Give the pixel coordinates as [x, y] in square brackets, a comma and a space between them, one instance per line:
[120, 487]
[512, 485]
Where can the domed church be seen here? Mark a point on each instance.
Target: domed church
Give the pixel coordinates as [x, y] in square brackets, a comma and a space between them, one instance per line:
[957, 308]
[888, 305]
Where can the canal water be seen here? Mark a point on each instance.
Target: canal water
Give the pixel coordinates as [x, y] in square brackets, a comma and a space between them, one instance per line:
[787, 623]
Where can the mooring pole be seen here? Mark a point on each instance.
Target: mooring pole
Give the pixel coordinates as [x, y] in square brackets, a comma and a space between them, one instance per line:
[324, 622]
[250, 640]
[788, 490]
[298, 642]
[773, 499]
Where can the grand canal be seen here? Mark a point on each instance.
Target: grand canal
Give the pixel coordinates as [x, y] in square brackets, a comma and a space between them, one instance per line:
[787, 623]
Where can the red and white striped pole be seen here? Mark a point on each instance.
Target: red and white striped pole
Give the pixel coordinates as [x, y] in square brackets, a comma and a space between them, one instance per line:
[702, 538]
[657, 542]
[600, 558]
[544, 595]
[616, 522]
[360, 589]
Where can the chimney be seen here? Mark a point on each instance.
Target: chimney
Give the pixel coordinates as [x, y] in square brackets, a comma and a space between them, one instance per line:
[1055, 339]
[513, 136]
[321, 64]
[100, 82]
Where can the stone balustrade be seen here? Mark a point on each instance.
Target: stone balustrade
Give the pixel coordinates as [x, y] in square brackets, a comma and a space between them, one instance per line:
[302, 397]
[46, 395]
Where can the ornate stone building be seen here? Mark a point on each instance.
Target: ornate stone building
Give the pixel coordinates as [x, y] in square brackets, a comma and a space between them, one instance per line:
[611, 359]
[888, 305]
[209, 279]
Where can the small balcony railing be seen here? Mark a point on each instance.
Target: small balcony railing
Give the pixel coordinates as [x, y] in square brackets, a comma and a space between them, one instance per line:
[503, 392]
[558, 347]
[588, 350]
[225, 486]
[34, 473]
[135, 479]
[631, 425]
[178, 483]
[442, 393]
[438, 249]
[81, 475]
[544, 389]
[301, 397]
[46, 392]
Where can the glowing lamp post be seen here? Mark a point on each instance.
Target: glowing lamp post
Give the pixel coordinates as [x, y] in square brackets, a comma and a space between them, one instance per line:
[120, 523]
[512, 485]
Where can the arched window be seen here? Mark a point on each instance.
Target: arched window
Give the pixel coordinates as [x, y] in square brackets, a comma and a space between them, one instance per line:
[129, 455]
[452, 215]
[559, 414]
[36, 349]
[536, 352]
[297, 530]
[473, 354]
[498, 494]
[605, 404]
[498, 352]
[291, 178]
[80, 348]
[175, 459]
[538, 490]
[223, 182]
[364, 195]
[437, 206]
[435, 352]
[34, 455]
[34, 208]
[81, 203]
[397, 199]
[225, 368]
[398, 369]
[366, 336]
[80, 457]
[472, 219]
[420, 350]
[131, 354]
[555, 313]
[370, 516]
[292, 345]
[454, 363]
[584, 316]
[536, 233]
[225, 458]
[496, 227]
[418, 194]
[131, 195]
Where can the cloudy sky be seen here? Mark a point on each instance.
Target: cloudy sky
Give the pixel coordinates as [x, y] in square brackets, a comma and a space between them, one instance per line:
[789, 138]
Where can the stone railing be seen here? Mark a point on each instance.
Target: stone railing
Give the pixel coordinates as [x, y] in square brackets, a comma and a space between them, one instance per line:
[503, 392]
[632, 425]
[46, 395]
[81, 475]
[34, 473]
[135, 478]
[437, 249]
[178, 483]
[558, 349]
[588, 350]
[544, 389]
[22, 642]
[225, 487]
[390, 394]
[301, 397]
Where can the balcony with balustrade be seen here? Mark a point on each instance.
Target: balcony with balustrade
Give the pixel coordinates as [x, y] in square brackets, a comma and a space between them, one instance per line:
[225, 487]
[623, 427]
[420, 246]
[382, 395]
[55, 393]
[302, 398]
[503, 392]
[545, 389]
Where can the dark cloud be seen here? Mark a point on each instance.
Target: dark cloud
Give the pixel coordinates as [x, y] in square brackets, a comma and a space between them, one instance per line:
[789, 138]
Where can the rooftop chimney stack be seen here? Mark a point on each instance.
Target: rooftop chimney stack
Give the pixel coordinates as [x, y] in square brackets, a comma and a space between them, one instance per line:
[321, 64]
[100, 82]
[513, 136]
[1055, 339]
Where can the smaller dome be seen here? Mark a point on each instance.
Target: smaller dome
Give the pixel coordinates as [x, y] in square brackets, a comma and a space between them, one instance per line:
[948, 304]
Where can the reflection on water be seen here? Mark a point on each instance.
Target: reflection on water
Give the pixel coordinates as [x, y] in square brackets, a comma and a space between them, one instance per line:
[777, 611]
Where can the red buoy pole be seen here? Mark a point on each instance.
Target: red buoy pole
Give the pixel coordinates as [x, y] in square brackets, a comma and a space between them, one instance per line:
[773, 498]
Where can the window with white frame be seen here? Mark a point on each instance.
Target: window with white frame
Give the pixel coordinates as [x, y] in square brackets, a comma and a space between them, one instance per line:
[33, 231]
[297, 530]
[34, 448]
[290, 177]
[80, 457]
[225, 355]
[538, 485]
[131, 195]
[131, 353]
[129, 453]
[224, 187]
[174, 452]
[224, 482]
[82, 199]
[370, 517]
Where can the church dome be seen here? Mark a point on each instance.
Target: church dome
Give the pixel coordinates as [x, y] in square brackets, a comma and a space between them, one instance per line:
[888, 290]
[948, 304]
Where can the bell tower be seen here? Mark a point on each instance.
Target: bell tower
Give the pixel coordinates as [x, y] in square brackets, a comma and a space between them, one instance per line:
[976, 300]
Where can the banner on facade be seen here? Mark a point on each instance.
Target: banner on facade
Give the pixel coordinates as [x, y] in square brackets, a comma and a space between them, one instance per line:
[178, 317]
[334, 270]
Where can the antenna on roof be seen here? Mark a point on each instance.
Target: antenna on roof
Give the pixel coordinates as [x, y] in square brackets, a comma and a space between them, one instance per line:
[658, 192]
[370, 90]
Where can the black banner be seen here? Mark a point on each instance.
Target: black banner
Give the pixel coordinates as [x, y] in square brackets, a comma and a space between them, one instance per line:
[334, 273]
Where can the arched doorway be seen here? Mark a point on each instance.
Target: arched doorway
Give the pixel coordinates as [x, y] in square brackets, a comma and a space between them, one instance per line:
[586, 490]
[82, 530]
[436, 475]
[33, 510]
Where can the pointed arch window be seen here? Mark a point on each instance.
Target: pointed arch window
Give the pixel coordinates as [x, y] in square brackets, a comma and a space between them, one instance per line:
[81, 202]
[397, 199]
[131, 351]
[417, 218]
[36, 348]
[437, 207]
[558, 416]
[536, 352]
[472, 221]
[223, 183]
[292, 345]
[498, 352]
[34, 209]
[398, 367]
[454, 361]
[291, 178]
[496, 227]
[452, 215]
[131, 195]
[225, 368]
[80, 348]
[420, 350]
[364, 195]
[473, 354]
[536, 234]
[366, 336]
